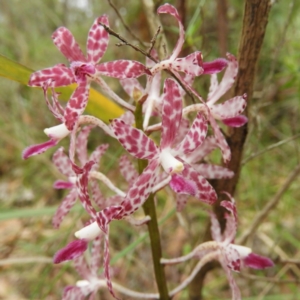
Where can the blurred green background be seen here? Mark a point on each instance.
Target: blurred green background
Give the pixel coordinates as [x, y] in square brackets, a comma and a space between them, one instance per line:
[27, 199]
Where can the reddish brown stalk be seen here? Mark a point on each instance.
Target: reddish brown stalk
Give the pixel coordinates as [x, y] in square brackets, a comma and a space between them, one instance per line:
[255, 20]
[222, 26]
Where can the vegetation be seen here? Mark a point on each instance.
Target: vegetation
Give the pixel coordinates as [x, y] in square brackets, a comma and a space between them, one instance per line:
[270, 162]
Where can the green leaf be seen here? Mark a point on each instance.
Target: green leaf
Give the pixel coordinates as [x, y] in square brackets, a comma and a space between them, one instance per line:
[98, 105]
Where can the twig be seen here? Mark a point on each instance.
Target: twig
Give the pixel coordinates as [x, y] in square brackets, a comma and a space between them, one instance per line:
[253, 155]
[153, 40]
[125, 42]
[154, 23]
[123, 22]
[177, 77]
[269, 206]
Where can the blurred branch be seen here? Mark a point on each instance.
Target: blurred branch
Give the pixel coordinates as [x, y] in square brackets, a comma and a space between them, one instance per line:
[261, 216]
[222, 22]
[254, 155]
[26, 260]
[153, 24]
[123, 22]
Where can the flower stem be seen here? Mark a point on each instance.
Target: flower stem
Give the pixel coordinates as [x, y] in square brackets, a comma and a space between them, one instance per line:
[149, 210]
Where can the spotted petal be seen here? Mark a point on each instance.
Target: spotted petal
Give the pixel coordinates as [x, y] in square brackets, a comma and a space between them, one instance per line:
[82, 186]
[64, 208]
[132, 87]
[97, 40]
[62, 162]
[122, 69]
[204, 191]
[59, 75]
[140, 189]
[127, 169]
[195, 136]
[209, 171]
[134, 140]
[38, 148]
[76, 105]
[171, 113]
[226, 82]
[226, 153]
[191, 64]
[67, 45]
[230, 108]
[170, 9]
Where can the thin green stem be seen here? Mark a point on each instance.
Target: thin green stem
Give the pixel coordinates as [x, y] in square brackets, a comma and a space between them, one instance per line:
[149, 210]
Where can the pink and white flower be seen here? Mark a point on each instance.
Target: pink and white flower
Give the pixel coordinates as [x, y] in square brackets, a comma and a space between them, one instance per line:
[84, 69]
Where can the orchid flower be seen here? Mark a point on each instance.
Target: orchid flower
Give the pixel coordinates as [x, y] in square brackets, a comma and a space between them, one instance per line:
[182, 177]
[231, 256]
[91, 282]
[191, 64]
[64, 165]
[83, 69]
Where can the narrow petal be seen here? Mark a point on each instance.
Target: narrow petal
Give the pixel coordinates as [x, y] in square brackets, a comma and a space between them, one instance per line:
[62, 162]
[215, 228]
[97, 154]
[237, 121]
[97, 40]
[258, 262]
[181, 185]
[127, 169]
[209, 171]
[107, 266]
[67, 45]
[81, 266]
[230, 108]
[205, 191]
[38, 148]
[81, 144]
[132, 86]
[72, 293]
[236, 294]
[64, 208]
[232, 258]
[61, 184]
[226, 153]
[76, 105]
[71, 251]
[191, 64]
[209, 144]
[122, 69]
[170, 9]
[141, 189]
[59, 75]
[171, 113]
[214, 66]
[227, 80]
[134, 140]
[181, 200]
[195, 136]
[105, 216]
[82, 186]
[96, 255]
